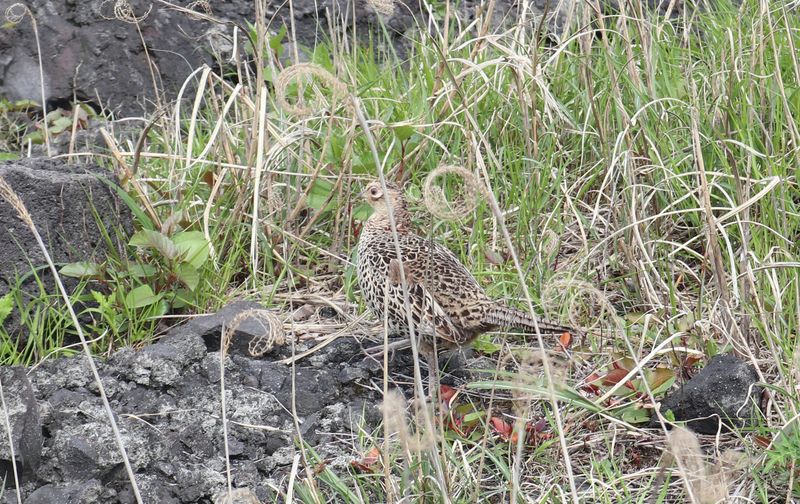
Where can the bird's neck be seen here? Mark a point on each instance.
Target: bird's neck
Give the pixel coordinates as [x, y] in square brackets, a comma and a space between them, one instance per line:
[379, 220]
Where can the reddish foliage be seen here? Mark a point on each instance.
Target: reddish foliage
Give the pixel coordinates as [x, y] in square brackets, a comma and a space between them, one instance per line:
[565, 340]
[368, 461]
[590, 384]
[504, 429]
[615, 375]
[447, 393]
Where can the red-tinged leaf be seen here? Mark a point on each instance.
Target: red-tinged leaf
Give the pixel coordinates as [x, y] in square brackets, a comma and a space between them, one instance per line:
[762, 441]
[565, 340]
[622, 362]
[503, 428]
[661, 379]
[321, 467]
[447, 393]
[538, 426]
[208, 178]
[535, 433]
[536, 438]
[368, 461]
[590, 384]
[614, 376]
[691, 360]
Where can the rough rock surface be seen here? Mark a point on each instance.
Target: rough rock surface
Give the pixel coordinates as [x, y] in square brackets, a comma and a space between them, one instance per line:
[89, 53]
[63, 201]
[722, 392]
[167, 401]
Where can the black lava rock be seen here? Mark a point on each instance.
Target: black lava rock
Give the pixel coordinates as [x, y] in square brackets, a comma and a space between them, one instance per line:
[722, 392]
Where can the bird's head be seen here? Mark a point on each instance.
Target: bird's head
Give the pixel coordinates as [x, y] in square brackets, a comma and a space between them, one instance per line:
[375, 196]
[381, 200]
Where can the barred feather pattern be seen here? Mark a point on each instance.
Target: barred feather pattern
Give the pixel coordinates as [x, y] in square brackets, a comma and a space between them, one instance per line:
[446, 302]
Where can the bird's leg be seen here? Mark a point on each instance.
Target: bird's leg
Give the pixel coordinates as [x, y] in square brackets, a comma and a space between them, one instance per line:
[429, 353]
[392, 347]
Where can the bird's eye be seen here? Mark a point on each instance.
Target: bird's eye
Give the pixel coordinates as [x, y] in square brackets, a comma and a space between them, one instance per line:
[374, 191]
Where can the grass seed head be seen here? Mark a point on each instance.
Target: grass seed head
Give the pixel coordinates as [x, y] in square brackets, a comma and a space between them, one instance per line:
[308, 71]
[384, 8]
[436, 202]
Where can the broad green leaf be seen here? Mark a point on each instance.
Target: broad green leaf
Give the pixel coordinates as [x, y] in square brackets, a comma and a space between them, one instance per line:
[60, 125]
[633, 413]
[155, 240]
[319, 193]
[140, 297]
[363, 163]
[473, 417]
[182, 298]
[82, 269]
[8, 156]
[6, 305]
[712, 348]
[485, 345]
[403, 131]
[36, 137]
[362, 212]
[141, 270]
[188, 275]
[660, 379]
[192, 246]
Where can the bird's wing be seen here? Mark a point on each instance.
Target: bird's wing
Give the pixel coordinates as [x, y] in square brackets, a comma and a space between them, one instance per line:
[433, 318]
[429, 317]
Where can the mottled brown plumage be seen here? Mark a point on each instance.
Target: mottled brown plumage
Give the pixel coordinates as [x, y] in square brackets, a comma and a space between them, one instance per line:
[446, 301]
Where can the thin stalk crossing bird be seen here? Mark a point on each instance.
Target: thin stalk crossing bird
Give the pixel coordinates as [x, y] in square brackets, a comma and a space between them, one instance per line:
[448, 306]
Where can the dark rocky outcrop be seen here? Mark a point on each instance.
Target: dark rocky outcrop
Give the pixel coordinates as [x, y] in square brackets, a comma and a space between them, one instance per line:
[167, 401]
[90, 54]
[724, 392]
[72, 208]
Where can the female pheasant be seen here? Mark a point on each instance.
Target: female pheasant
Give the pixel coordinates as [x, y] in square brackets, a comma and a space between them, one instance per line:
[446, 302]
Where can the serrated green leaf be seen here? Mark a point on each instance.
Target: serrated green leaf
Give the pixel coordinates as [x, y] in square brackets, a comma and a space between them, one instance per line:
[188, 275]
[140, 297]
[6, 305]
[485, 345]
[192, 246]
[82, 269]
[60, 125]
[150, 239]
[276, 41]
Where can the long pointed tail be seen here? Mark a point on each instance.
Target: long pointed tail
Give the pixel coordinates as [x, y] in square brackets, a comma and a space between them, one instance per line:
[505, 316]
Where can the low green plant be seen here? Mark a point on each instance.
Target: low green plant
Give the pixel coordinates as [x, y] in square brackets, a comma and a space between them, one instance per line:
[164, 279]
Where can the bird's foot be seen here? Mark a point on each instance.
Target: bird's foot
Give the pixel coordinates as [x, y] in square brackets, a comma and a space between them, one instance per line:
[377, 351]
